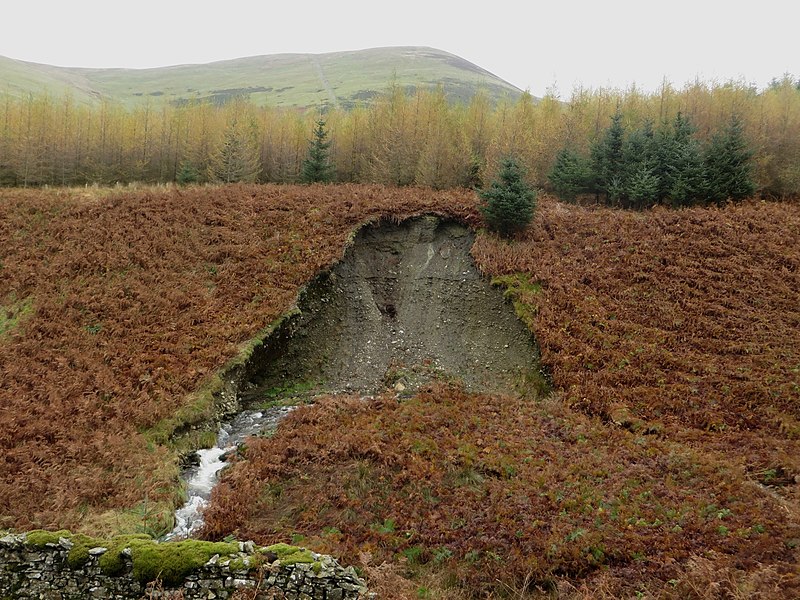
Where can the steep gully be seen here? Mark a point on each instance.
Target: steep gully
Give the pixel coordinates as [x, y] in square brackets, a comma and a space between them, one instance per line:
[405, 305]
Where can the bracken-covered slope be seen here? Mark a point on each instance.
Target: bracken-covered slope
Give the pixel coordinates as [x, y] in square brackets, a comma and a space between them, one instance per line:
[291, 80]
[665, 464]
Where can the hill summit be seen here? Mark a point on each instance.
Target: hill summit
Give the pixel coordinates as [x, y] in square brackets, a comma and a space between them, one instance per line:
[340, 79]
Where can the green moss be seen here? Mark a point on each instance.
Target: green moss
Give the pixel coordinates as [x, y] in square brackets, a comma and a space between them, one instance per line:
[289, 395]
[12, 314]
[79, 554]
[253, 562]
[171, 562]
[39, 538]
[282, 550]
[238, 564]
[113, 562]
[290, 555]
[519, 289]
[516, 284]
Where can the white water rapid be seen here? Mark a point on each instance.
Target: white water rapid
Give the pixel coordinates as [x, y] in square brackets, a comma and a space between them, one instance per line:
[202, 478]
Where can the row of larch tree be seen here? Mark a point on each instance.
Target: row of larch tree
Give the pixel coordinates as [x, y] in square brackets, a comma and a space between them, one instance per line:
[639, 147]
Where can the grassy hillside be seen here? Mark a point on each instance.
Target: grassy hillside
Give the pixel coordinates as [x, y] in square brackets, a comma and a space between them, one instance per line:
[20, 78]
[664, 465]
[290, 80]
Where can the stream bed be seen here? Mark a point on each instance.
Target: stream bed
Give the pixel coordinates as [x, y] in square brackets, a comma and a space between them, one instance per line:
[202, 477]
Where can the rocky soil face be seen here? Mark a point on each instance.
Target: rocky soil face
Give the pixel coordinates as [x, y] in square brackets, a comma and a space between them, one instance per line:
[406, 303]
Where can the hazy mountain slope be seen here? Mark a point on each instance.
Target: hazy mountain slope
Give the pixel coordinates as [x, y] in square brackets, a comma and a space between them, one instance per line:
[19, 78]
[301, 80]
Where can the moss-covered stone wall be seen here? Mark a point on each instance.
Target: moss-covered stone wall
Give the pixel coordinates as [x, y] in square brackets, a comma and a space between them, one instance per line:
[60, 565]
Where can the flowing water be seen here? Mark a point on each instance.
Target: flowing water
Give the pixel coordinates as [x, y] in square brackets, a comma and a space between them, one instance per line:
[201, 478]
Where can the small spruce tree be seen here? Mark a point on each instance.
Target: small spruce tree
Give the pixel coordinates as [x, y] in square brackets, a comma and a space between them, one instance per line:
[728, 164]
[638, 160]
[608, 162]
[571, 175]
[642, 188]
[680, 164]
[187, 174]
[509, 202]
[316, 166]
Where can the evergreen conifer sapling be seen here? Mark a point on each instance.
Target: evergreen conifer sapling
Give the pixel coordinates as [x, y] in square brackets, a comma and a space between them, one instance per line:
[728, 164]
[571, 174]
[608, 162]
[187, 174]
[316, 166]
[508, 202]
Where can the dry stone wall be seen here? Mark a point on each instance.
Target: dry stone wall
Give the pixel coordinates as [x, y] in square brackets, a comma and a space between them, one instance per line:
[57, 567]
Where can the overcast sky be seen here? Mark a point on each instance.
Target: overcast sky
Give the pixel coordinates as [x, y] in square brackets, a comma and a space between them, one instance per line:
[533, 45]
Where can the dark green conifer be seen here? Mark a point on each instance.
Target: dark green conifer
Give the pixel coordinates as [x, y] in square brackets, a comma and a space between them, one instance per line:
[316, 166]
[642, 186]
[728, 164]
[680, 164]
[187, 174]
[508, 202]
[608, 163]
[571, 175]
[635, 188]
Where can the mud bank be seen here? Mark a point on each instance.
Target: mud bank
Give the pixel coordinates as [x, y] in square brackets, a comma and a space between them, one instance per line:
[406, 303]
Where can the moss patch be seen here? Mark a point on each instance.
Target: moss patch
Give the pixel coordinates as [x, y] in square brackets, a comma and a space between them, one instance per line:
[290, 555]
[289, 395]
[113, 562]
[39, 538]
[79, 553]
[520, 290]
[172, 562]
[13, 313]
[522, 293]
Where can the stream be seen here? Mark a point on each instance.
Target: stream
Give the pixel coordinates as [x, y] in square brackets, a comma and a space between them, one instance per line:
[202, 477]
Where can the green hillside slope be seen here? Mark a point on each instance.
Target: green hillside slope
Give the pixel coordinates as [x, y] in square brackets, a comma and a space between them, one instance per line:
[20, 78]
[291, 80]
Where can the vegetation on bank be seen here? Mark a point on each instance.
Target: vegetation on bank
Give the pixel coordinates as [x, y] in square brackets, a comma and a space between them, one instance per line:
[397, 139]
[139, 299]
[665, 463]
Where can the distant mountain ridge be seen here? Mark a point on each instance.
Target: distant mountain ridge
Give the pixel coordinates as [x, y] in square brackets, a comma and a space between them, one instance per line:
[289, 80]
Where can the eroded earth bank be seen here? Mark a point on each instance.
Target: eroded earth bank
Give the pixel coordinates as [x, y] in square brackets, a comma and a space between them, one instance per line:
[406, 303]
